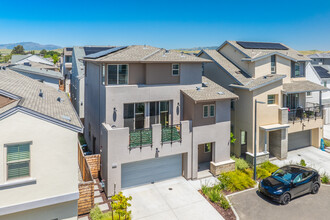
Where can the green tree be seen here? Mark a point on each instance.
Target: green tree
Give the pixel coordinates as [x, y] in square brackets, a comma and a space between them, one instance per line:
[6, 58]
[55, 58]
[43, 52]
[19, 49]
[32, 52]
[119, 205]
[232, 138]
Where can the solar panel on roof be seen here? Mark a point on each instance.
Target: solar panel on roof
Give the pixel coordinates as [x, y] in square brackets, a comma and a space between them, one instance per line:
[261, 45]
[69, 49]
[104, 52]
[323, 73]
[90, 50]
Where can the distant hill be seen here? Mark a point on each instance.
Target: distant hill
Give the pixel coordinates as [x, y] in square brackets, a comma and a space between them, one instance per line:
[30, 46]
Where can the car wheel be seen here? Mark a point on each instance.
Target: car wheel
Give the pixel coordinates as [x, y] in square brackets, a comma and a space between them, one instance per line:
[315, 188]
[285, 199]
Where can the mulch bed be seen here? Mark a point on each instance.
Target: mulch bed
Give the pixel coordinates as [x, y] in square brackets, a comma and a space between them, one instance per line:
[226, 214]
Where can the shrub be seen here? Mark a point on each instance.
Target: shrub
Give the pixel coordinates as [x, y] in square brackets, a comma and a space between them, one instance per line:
[302, 163]
[236, 181]
[325, 179]
[271, 168]
[262, 173]
[214, 195]
[224, 202]
[240, 164]
[205, 189]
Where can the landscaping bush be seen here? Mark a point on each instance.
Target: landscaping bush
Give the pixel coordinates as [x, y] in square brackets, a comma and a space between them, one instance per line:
[325, 179]
[262, 173]
[240, 164]
[302, 163]
[326, 142]
[97, 214]
[271, 168]
[224, 202]
[236, 181]
[214, 195]
[205, 189]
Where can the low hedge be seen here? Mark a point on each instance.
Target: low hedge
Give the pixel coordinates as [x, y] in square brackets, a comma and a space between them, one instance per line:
[236, 181]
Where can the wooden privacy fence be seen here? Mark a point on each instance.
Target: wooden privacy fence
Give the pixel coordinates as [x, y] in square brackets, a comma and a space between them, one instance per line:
[86, 187]
[94, 164]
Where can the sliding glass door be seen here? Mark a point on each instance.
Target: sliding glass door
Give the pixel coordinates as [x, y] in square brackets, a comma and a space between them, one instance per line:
[134, 116]
[154, 113]
[164, 113]
[139, 115]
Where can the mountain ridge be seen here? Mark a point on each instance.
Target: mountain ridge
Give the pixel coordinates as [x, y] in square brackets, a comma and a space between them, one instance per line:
[30, 46]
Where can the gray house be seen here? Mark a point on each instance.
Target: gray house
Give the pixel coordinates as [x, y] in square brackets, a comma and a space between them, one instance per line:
[151, 115]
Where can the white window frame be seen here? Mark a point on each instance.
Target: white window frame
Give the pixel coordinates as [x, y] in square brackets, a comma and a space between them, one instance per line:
[29, 160]
[271, 99]
[178, 69]
[107, 79]
[207, 111]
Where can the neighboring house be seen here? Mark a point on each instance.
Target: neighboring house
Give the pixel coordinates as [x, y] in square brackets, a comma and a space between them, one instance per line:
[274, 74]
[152, 116]
[67, 67]
[77, 89]
[49, 77]
[33, 61]
[38, 150]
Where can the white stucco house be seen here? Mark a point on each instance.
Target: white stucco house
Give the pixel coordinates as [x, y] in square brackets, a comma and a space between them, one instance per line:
[38, 150]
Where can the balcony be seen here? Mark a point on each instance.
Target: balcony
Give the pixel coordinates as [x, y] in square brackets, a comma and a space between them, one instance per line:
[143, 137]
[305, 114]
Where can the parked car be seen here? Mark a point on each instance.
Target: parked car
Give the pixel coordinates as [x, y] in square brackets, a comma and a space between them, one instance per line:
[289, 182]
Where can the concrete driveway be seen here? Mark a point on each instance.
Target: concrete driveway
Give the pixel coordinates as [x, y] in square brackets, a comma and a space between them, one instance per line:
[251, 205]
[313, 157]
[170, 199]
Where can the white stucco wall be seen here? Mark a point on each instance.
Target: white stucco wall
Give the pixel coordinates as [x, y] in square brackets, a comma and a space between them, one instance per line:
[53, 163]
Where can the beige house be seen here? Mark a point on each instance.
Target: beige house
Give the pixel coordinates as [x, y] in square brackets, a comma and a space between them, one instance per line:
[152, 116]
[38, 150]
[273, 75]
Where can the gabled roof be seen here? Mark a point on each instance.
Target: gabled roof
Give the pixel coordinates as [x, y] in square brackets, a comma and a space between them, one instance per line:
[302, 86]
[53, 105]
[210, 91]
[322, 71]
[260, 82]
[146, 54]
[319, 55]
[255, 54]
[239, 75]
[37, 71]
[15, 58]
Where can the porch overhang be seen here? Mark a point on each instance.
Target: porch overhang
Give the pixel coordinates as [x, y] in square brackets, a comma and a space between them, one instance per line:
[302, 86]
[274, 127]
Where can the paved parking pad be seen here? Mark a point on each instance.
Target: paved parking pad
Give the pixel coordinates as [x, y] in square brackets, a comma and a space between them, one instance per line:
[251, 205]
[170, 199]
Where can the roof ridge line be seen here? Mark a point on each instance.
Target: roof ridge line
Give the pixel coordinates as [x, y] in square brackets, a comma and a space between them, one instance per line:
[153, 53]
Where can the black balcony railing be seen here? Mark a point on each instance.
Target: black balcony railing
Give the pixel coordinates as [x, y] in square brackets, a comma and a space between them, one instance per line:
[171, 133]
[140, 137]
[301, 114]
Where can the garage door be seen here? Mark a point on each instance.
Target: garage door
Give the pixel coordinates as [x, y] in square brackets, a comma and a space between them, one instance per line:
[153, 170]
[299, 140]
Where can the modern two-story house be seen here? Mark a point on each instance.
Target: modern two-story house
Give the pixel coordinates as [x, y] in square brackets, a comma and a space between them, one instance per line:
[38, 150]
[269, 79]
[151, 115]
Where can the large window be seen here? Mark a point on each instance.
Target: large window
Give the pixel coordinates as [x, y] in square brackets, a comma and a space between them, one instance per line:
[175, 69]
[273, 64]
[118, 74]
[18, 161]
[208, 111]
[297, 69]
[205, 111]
[68, 59]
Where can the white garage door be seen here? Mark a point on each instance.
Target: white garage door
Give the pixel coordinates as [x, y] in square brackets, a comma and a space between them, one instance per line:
[299, 140]
[153, 170]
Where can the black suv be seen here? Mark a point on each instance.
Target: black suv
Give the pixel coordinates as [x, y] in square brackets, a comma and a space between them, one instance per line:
[289, 182]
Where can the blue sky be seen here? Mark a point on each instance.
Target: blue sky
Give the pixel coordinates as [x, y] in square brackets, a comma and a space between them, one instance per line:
[303, 25]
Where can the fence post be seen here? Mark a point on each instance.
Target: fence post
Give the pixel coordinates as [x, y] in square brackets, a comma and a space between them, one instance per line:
[140, 137]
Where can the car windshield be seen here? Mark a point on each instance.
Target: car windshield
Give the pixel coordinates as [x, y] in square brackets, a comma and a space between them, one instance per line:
[283, 174]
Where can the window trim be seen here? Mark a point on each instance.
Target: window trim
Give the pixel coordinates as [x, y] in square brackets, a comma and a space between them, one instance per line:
[178, 69]
[107, 74]
[275, 99]
[271, 64]
[211, 116]
[309, 95]
[29, 160]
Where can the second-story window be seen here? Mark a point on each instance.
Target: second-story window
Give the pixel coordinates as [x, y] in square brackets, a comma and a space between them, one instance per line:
[175, 69]
[273, 64]
[18, 161]
[271, 99]
[208, 111]
[297, 69]
[117, 74]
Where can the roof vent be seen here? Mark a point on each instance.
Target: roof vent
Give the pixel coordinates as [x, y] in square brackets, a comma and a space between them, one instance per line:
[182, 54]
[204, 84]
[198, 88]
[299, 54]
[41, 94]
[59, 99]
[220, 93]
[65, 117]
[265, 77]
[167, 51]
[145, 47]
[4, 68]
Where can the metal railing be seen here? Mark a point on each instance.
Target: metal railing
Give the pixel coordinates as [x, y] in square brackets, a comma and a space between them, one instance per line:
[140, 137]
[301, 114]
[171, 133]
